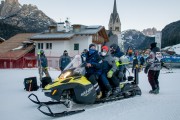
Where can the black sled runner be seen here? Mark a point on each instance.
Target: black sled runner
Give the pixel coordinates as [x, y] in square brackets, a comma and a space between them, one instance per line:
[73, 87]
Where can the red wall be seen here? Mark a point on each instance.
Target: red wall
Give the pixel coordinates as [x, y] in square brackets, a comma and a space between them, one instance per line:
[27, 61]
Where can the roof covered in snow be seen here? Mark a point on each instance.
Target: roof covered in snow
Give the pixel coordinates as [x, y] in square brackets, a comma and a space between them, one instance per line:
[77, 30]
[53, 36]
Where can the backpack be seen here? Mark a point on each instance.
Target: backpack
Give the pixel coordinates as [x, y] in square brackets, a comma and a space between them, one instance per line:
[30, 84]
[45, 81]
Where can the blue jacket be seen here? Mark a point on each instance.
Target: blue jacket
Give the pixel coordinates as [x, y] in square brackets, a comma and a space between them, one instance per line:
[64, 61]
[118, 53]
[44, 62]
[95, 60]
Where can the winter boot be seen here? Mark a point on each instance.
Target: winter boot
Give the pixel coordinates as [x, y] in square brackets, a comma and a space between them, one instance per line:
[156, 91]
[116, 91]
[108, 93]
[109, 90]
[158, 87]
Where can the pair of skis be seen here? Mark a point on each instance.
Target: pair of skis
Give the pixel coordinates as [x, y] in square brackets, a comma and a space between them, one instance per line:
[45, 104]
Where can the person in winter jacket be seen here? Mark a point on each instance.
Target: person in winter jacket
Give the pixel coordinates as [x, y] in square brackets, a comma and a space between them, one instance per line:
[93, 68]
[83, 55]
[142, 61]
[42, 63]
[108, 68]
[64, 60]
[135, 63]
[153, 69]
[119, 75]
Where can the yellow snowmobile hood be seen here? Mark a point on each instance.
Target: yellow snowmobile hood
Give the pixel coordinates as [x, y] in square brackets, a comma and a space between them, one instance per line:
[81, 80]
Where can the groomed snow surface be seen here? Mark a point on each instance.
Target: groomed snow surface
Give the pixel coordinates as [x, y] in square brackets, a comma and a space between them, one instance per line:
[14, 104]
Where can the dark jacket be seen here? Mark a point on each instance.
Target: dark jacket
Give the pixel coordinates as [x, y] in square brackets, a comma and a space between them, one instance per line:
[135, 62]
[95, 60]
[118, 53]
[43, 61]
[141, 60]
[64, 61]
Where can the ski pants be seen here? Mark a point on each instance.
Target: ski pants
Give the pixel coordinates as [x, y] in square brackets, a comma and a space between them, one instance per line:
[115, 80]
[104, 80]
[93, 79]
[45, 70]
[153, 78]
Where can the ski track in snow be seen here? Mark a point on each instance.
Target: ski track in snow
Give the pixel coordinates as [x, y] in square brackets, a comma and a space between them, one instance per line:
[164, 106]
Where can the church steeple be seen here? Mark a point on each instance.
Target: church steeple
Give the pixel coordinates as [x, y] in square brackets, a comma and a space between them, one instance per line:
[115, 8]
[114, 22]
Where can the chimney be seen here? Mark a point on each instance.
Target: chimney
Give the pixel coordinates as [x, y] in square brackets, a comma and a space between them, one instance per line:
[60, 27]
[76, 28]
[52, 28]
[68, 26]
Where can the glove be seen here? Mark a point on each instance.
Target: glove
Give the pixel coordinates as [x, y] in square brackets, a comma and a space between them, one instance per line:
[110, 74]
[46, 68]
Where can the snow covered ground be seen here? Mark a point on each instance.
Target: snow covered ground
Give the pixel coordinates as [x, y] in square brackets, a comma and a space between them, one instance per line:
[14, 104]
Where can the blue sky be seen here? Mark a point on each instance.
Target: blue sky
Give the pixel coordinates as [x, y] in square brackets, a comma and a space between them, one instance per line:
[134, 14]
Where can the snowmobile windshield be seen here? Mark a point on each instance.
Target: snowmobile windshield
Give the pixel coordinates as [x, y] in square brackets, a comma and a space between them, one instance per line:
[75, 67]
[75, 62]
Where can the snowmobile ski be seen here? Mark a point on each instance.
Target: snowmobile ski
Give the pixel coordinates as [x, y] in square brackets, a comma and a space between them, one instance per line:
[60, 114]
[39, 102]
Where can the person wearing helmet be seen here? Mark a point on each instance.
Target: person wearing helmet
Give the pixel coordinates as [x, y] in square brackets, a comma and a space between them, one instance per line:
[108, 69]
[42, 63]
[119, 75]
[93, 68]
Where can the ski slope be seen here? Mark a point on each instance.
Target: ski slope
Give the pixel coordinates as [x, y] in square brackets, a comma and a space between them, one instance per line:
[14, 104]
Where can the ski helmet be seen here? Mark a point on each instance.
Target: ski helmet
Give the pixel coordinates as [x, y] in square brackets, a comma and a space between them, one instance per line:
[41, 52]
[114, 46]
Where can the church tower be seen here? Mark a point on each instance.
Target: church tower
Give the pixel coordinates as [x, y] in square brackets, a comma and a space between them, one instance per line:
[114, 22]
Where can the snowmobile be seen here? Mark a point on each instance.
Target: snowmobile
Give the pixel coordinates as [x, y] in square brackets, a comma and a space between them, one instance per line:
[72, 86]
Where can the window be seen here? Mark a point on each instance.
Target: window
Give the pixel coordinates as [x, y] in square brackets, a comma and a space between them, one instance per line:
[117, 29]
[48, 45]
[110, 28]
[76, 46]
[40, 45]
[117, 20]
